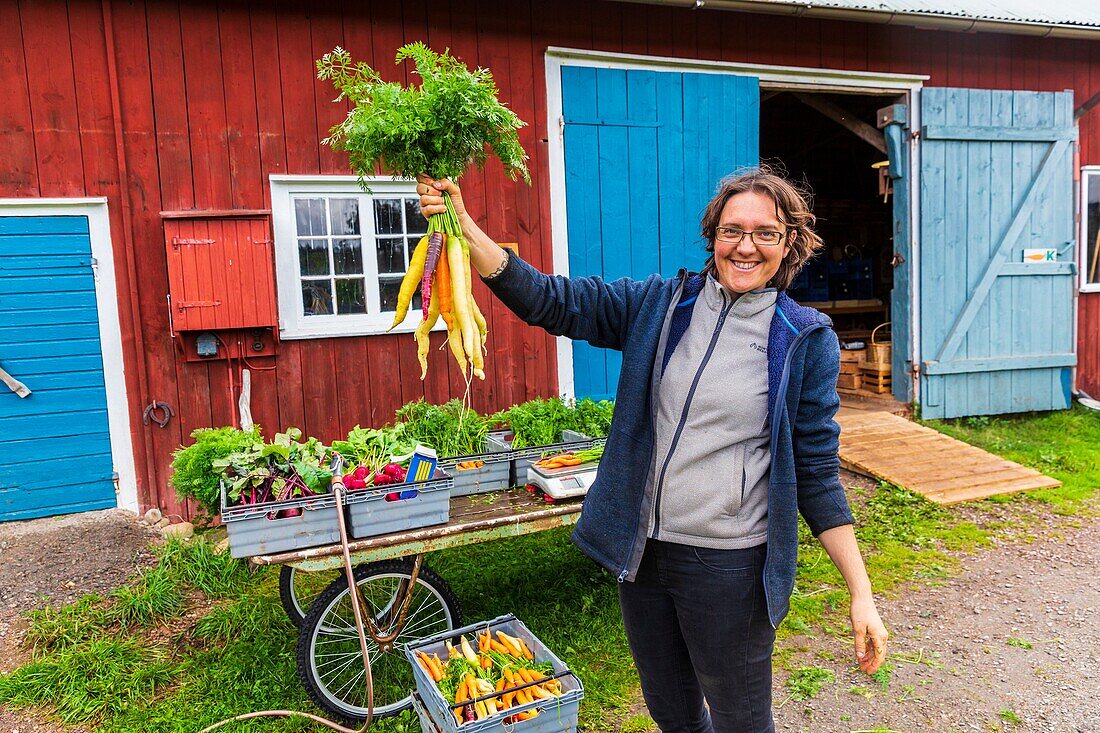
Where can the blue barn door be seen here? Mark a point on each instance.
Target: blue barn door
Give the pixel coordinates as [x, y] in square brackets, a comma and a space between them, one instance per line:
[54, 443]
[644, 152]
[996, 179]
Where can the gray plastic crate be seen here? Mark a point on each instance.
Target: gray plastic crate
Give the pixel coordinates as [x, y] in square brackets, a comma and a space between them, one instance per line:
[493, 476]
[522, 458]
[558, 715]
[256, 529]
[369, 514]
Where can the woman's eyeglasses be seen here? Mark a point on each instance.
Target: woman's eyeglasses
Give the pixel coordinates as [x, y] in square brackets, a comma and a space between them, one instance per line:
[760, 237]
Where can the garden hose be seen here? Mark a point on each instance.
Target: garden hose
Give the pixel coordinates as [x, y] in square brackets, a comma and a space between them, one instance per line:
[353, 589]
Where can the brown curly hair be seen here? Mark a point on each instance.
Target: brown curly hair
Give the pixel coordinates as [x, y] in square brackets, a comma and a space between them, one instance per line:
[792, 208]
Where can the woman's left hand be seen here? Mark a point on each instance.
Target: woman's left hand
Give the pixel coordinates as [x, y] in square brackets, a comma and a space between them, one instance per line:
[870, 635]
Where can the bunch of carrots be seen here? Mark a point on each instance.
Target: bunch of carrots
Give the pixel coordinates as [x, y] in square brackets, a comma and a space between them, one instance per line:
[440, 267]
[569, 458]
[500, 675]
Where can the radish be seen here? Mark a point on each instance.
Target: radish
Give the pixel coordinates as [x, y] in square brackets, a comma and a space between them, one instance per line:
[362, 473]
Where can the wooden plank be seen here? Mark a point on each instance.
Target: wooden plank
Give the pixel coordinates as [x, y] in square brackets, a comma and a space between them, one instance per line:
[984, 492]
[992, 364]
[1023, 269]
[1005, 476]
[206, 102]
[927, 462]
[242, 124]
[19, 174]
[966, 133]
[143, 279]
[269, 95]
[51, 82]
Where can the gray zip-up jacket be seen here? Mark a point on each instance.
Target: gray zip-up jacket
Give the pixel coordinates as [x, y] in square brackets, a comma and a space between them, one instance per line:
[711, 457]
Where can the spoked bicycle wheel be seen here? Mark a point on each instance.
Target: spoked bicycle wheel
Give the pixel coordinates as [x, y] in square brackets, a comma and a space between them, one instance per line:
[298, 589]
[330, 663]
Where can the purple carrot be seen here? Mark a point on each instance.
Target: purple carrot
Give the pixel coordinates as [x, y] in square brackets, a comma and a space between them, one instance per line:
[435, 246]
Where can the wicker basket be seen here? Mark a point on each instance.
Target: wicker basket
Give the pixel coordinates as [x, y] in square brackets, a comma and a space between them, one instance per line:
[878, 351]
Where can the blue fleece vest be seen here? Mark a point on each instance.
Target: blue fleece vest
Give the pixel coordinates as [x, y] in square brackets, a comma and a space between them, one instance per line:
[629, 315]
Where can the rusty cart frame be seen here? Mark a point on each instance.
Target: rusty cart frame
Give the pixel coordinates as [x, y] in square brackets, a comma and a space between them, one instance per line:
[389, 572]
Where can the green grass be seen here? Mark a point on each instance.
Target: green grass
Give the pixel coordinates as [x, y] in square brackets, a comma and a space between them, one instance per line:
[805, 682]
[131, 662]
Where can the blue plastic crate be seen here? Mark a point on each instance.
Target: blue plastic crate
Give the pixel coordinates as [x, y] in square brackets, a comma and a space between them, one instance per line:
[493, 476]
[558, 715]
[370, 515]
[257, 529]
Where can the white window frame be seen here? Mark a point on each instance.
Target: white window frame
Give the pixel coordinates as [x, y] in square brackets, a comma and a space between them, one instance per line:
[1083, 260]
[293, 323]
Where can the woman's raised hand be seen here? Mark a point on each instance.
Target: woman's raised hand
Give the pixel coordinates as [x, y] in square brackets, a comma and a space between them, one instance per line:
[431, 195]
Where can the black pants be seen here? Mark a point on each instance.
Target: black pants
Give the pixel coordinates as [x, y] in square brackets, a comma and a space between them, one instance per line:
[698, 628]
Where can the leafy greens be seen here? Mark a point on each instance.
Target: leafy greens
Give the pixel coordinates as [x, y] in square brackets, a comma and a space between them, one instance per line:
[451, 121]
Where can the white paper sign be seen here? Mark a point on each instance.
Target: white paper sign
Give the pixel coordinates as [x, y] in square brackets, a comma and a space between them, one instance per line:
[1040, 255]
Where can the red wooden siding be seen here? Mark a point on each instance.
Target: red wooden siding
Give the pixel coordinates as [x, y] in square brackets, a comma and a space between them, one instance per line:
[215, 97]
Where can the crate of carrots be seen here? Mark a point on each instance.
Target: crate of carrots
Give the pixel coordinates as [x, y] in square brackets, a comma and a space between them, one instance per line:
[494, 674]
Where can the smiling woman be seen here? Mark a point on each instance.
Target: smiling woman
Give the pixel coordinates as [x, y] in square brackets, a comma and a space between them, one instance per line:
[759, 231]
[698, 494]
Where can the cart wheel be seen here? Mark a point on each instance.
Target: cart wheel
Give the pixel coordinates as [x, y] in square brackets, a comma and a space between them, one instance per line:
[329, 660]
[298, 589]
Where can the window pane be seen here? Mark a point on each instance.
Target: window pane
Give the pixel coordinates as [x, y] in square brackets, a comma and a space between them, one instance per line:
[347, 254]
[345, 215]
[411, 243]
[387, 216]
[317, 297]
[1092, 230]
[313, 256]
[388, 288]
[349, 296]
[414, 220]
[310, 216]
[391, 255]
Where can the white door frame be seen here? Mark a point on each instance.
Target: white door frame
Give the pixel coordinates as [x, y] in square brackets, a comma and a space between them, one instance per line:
[110, 332]
[771, 77]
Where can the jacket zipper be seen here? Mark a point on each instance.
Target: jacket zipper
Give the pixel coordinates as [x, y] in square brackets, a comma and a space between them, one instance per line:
[633, 560]
[726, 307]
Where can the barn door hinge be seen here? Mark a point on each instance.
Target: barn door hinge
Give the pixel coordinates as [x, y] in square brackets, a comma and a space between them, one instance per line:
[95, 269]
[261, 241]
[197, 304]
[178, 242]
[561, 127]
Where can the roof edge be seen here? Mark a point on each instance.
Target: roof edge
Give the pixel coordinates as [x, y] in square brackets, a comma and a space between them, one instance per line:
[927, 21]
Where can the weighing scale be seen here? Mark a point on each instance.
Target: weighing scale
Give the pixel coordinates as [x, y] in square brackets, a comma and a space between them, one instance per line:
[565, 482]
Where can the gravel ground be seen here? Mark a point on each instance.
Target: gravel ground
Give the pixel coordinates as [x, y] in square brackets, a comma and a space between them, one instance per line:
[954, 669]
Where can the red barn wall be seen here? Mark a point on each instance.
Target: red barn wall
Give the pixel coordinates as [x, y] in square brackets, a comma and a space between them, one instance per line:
[173, 106]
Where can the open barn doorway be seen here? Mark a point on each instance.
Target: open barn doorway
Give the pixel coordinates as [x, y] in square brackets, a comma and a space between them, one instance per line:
[830, 142]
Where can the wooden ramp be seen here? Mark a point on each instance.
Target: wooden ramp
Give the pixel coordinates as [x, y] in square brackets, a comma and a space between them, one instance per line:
[944, 470]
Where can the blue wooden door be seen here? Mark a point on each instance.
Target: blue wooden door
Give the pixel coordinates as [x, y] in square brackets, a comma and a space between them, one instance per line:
[996, 331]
[54, 444]
[644, 152]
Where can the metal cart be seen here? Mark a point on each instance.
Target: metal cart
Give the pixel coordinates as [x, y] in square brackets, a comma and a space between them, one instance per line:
[404, 598]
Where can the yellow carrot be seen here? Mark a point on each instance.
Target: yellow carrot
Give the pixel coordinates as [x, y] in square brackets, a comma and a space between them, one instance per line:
[477, 357]
[422, 341]
[411, 281]
[466, 326]
[446, 309]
